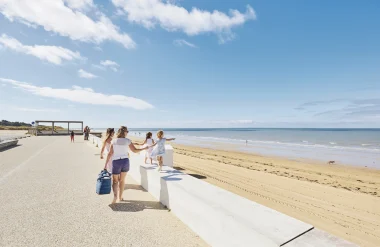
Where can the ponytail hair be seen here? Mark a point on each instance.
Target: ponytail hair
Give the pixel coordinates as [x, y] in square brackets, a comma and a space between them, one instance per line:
[121, 132]
[109, 133]
[148, 135]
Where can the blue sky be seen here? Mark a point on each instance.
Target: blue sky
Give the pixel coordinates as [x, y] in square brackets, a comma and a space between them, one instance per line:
[191, 63]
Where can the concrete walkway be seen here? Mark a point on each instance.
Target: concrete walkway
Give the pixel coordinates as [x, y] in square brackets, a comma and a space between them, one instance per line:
[47, 193]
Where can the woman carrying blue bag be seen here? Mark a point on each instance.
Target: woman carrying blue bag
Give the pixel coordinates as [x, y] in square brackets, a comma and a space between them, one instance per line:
[120, 161]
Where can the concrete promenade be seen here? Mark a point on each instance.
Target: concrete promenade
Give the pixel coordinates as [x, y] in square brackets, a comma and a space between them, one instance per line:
[47, 193]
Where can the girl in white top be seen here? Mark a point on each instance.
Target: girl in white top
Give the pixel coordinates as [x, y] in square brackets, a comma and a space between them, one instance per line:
[149, 142]
[120, 162]
[107, 146]
[159, 149]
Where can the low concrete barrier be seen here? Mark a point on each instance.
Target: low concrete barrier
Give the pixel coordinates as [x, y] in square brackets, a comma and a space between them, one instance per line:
[220, 217]
[8, 143]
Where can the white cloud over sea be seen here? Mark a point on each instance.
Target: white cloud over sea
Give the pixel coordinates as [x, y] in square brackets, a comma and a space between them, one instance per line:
[66, 18]
[182, 42]
[87, 75]
[81, 95]
[172, 17]
[52, 54]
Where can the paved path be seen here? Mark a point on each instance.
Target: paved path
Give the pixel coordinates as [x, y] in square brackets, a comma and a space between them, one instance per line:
[47, 198]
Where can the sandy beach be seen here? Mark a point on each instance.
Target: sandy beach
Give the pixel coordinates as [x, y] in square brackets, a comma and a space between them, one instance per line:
[12, 132]
[6, 134]
[342, 200]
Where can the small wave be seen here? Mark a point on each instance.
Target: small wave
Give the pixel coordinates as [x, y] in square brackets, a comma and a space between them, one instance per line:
[332, 143]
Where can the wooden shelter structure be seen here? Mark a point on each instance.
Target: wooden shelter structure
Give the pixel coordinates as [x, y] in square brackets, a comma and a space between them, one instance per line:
[40, 129]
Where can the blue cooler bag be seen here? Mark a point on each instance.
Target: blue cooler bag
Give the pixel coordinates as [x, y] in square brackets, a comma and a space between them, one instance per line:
[103, 185]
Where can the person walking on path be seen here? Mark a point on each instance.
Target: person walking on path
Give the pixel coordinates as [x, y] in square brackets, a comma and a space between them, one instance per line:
[72, 136]
[119, 149]
[159, 150]
[85, 132]
[107, 146]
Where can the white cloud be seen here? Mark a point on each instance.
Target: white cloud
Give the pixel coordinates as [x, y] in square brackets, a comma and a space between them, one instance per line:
[232, 122]
[219, 123]
[172, 17]
[34, 109]
[80, 4]
[98, 48]
[3, 85]
[52, 54]
[241, 122]
[182, 42]
[98, 67]
[65, 20]
[107, 64]
[81, 95]
[87, 75]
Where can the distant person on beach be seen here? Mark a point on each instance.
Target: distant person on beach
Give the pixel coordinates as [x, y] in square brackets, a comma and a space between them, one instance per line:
[107, 146]
[159, 149]
[85, 132]
[120, 162]
[149, 142]
[72, 136]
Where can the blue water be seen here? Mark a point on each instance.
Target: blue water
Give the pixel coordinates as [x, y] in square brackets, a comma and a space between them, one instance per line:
[347, 146]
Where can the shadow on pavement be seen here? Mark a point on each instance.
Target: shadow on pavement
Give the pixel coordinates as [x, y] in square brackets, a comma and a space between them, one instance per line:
[136, 206]
[133, 187]
[11, 147]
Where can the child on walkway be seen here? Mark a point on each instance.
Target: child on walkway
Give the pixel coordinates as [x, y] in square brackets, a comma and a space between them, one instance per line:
[159, 150]
[107, 146]
[149, 142]
[72, 136]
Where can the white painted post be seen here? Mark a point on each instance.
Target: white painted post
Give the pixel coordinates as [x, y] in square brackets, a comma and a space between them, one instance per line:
[168, 157]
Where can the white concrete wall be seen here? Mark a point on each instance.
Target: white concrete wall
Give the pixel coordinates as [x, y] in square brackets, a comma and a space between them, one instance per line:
[220, 217]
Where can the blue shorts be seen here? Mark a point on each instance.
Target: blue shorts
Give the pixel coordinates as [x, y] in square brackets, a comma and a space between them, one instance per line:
[119, 166]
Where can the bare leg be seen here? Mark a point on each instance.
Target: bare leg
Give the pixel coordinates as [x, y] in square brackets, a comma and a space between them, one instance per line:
[145, 160]
[121, 185]
[160, 163]
[151, 161]
[115, 186]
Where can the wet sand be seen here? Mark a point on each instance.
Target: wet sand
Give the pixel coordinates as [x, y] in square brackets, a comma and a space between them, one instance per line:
[342, 200]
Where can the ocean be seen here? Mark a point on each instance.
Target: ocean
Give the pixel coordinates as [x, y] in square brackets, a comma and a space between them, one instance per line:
[360, 147]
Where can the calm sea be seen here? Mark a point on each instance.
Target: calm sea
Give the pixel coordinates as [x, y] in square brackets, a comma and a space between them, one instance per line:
[348, 146]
